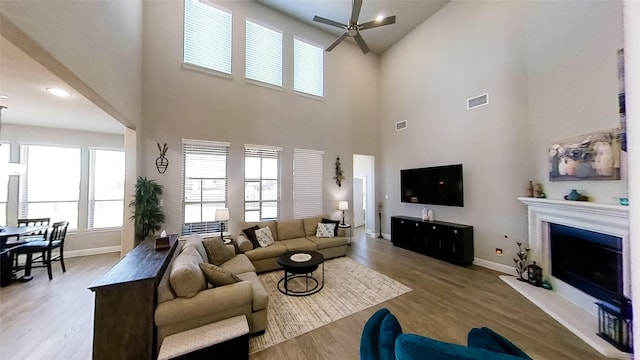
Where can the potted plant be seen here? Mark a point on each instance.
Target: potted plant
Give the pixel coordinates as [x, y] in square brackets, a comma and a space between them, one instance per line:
[147, 212]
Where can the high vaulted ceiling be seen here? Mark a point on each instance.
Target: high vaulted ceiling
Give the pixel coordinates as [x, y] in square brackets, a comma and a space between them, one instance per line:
[24, 80]
[409, 14]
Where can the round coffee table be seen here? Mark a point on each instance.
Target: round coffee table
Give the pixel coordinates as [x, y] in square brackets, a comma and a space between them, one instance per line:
[301, 264]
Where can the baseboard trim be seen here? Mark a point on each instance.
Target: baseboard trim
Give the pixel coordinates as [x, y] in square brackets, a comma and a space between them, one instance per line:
[495, 266]
[92, 251]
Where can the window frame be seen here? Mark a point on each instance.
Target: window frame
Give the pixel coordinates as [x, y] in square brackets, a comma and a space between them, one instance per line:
[295, 65]
[262, 82]
[91, 190]
[213, 147]
[263, 152]
[4, 204]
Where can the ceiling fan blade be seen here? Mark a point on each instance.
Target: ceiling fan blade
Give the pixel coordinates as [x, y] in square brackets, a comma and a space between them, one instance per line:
[335, 43]
[361, 43]
[328, 22]
[355, 11]
[372, 24]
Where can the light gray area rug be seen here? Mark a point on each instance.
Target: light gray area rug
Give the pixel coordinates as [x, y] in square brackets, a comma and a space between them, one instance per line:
[349, 287]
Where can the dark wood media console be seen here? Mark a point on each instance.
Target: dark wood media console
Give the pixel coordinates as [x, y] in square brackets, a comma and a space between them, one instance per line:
[446, 241]
[125, 304]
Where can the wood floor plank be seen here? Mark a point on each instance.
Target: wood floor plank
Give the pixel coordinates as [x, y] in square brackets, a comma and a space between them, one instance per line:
[45, 319]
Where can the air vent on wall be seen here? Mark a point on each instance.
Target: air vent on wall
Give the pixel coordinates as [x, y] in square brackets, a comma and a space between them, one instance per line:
[401, 125]
[476, 101]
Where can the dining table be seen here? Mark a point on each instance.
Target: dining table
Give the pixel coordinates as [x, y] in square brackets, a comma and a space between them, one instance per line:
[6, 233]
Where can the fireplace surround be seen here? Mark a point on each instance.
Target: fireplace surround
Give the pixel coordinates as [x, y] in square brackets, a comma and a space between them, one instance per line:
[571, 306]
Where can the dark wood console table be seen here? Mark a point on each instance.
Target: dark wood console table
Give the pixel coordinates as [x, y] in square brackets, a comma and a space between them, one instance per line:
[126, 298]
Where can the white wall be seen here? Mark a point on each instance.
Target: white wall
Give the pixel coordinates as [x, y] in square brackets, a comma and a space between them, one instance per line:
[100, 42]
[77, 241]
[180, 103]
[469, 48]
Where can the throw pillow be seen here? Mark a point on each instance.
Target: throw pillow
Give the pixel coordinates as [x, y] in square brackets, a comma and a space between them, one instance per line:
[389, 330]
[250, 233]
[329, 221]
[185, 277]
[485, 338]
[371, 335]
[264, 236]
[216, 251]
[325, 230]
[217, 276]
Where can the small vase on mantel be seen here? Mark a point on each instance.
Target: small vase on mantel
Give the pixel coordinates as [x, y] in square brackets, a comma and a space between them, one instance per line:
[573, 195]
[530, 189]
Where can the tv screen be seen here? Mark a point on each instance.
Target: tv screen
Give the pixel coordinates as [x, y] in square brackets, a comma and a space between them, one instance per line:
[438, 185]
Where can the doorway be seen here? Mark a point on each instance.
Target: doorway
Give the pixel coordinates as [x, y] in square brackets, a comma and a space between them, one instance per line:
[364, 193]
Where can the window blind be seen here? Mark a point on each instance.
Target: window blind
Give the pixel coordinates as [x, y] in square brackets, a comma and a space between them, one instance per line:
[205, 184]
[308, 68]
[263, 54]
[262, 182]
[207, 36]
[307, 183]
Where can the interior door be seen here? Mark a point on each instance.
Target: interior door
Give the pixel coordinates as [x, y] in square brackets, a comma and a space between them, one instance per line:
[358, 204]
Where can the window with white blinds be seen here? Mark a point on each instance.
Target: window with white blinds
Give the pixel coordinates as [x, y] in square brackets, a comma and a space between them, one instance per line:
[106, 188]
[207, 36]
[50, 188]
[205, 184]
[307, 183]
[263, 54]
[261, 183]
[308, 68]
[5, 153]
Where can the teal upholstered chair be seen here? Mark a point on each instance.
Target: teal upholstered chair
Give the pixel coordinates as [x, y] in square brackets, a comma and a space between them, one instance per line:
[382, 339]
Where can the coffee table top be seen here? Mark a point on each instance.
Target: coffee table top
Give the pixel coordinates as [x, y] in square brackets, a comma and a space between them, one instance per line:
[285, 259]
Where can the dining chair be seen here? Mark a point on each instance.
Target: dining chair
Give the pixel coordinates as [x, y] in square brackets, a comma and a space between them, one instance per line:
[54, 240]
[21, 240]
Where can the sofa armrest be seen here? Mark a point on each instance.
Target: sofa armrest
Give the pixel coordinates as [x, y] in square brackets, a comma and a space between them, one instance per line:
[244, 244]
[206, 302]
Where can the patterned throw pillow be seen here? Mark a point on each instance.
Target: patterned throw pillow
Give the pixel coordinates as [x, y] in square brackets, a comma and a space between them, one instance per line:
[264, 236]
[325, 230]
[217, 276]
[329, 221]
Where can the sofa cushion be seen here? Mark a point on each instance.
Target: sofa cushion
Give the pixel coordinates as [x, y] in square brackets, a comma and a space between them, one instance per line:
[216, 251]
[264, 236]
[485, 338]
[370, 335]
[250, 233]
[325, 230]
[299, 244]
[244, 244]
[271, 224]
[239, 264]
[329, 221]
[268, 252]
[186, 278]
[217, 276]
[195, 241]
[390, 329]
[260, 296]
[324, 243]
[310, 225]
[290, 229]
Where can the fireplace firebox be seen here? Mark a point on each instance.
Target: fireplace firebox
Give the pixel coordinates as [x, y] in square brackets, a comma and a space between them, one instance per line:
[588, 260]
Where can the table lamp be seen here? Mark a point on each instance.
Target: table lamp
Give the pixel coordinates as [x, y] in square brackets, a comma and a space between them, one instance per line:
[222, 215]
[343, 205]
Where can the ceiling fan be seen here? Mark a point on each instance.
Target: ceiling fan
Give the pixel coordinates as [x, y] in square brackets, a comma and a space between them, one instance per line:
[353, 28]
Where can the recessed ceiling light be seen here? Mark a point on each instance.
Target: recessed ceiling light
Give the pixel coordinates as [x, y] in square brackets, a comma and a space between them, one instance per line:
[3, 96]
[59, 92]
[379, 18]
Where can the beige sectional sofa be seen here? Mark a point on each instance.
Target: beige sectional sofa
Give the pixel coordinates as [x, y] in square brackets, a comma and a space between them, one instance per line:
[289, 235]
[185, 301]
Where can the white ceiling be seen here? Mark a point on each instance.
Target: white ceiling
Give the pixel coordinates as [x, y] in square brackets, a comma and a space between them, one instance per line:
[24, 80]
[409, 14]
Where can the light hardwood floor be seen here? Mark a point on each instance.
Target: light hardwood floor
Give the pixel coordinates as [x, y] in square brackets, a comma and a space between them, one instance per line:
[46, 319]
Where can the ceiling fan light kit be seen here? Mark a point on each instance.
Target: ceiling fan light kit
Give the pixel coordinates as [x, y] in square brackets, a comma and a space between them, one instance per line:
[353, 28]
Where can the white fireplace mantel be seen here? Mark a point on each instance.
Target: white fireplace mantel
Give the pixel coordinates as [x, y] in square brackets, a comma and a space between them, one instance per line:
[571, 307]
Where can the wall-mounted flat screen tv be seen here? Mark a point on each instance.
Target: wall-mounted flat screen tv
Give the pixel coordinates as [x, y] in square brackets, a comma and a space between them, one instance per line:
[438, 185]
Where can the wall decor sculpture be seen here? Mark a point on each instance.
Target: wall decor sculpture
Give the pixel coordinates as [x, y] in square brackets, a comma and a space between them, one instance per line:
[339, 174]
[162, 162]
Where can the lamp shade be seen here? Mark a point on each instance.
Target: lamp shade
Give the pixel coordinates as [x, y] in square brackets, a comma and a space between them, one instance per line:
[343, 205]
[222, 214]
